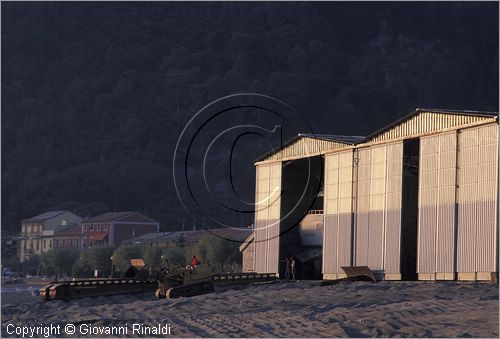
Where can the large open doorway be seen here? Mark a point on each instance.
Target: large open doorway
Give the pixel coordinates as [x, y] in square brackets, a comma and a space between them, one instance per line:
[409, 209]
[302, 216]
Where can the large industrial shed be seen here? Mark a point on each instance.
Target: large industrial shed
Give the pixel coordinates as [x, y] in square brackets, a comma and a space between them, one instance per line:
[417, 199]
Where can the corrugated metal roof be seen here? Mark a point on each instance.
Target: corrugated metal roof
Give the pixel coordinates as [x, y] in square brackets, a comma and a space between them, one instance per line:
[305, 144]
[44, 216]
[457, 111]
[345, 139]
[431, 110]
[293, 148]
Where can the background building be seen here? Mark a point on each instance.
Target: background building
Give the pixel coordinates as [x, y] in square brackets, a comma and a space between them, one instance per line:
[114, 227]
[70, 237]
[416, 199]
[188, 238]
[37, 232]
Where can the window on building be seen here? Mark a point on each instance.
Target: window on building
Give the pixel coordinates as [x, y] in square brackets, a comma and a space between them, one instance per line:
[105, 227]
[44, 243]
[91, 227]
[63, 222]
[50, 244]
[37, 245]
[98, 227]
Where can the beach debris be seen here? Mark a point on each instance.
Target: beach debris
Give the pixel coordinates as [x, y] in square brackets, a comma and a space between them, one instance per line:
[357, 272]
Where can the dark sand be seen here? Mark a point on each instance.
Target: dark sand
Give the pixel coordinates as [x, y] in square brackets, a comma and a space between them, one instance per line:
[302, 309]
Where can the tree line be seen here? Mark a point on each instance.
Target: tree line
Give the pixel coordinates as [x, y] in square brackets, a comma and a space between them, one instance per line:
[220, 254]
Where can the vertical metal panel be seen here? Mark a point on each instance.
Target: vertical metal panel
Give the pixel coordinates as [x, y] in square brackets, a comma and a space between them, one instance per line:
[467, 196]
[376, 218]
[445, 236]
[338, 212]
[344, 247]
[274, 218]
[427, 204]
[261, 194]
[267, 218]
[487, 198]
[378, 212]
[330, 237]
[477, 199]
[393, 208]
[436, 224]
[362, 249]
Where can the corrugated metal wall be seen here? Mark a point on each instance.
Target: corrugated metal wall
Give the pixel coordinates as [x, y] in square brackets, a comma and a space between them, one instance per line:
[267, 218]
[378, 212]
[338, 212]
[376, 215]
[361, 248]
[436, 221]
[393, 198]
[477, 199]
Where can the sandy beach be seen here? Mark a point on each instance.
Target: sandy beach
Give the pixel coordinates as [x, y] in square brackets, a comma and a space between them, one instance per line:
[300, 309]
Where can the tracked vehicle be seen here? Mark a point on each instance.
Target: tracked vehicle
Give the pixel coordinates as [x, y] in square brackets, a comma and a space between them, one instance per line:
[184, 281]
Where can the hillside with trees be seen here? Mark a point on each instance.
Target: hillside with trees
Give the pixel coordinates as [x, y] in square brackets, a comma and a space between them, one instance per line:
[95, 95]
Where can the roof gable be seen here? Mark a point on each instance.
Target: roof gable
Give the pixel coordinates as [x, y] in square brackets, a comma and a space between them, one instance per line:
[424, 120]
[106, 217]
[135, 217]
[44, 216]
[308, 145]
[247, 242]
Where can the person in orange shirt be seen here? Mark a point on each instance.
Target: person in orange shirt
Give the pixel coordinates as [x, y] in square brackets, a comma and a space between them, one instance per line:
[195, 261]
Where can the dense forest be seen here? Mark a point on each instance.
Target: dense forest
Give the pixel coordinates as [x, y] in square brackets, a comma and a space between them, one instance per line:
[96, 94]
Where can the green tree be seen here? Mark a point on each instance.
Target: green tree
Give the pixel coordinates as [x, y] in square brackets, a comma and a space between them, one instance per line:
[152, 254]
[175, 255]
[59, 261]
[99, 258]
[31, 265]
[81, 269]
[221, 251]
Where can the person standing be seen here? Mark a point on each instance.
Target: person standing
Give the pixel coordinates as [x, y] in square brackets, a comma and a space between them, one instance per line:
[293, 265]
[287, 269]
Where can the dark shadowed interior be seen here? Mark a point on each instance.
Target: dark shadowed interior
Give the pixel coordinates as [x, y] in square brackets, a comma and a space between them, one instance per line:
[409, 209]
[301, 193]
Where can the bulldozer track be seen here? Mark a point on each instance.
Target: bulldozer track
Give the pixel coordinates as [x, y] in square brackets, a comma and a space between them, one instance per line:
[111, 286]
[94, 288]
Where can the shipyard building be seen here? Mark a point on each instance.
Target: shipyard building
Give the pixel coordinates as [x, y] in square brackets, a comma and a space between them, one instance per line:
[417, 199]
